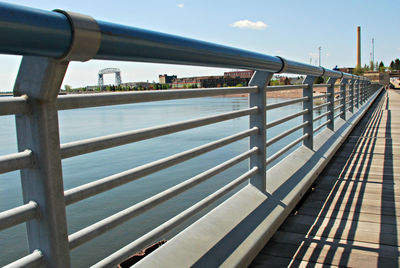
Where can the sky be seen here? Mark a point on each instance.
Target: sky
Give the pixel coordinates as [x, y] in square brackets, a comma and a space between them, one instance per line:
[291, 29]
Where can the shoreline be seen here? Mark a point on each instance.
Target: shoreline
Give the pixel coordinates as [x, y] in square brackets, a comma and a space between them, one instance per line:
[295, 93]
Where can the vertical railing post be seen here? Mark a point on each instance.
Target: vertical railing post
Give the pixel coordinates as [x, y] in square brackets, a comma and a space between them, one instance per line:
[331, 99]
[362, 87]
[357, 89]
[40, 79]
[259, 120]
[370, 90]
[309, 116]
[351, 95]
[343, 100]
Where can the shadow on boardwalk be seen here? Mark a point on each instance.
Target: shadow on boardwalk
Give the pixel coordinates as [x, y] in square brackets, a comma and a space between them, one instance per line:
[350, 218]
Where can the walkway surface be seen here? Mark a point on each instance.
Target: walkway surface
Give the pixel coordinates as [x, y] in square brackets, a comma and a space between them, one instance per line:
[352, 217]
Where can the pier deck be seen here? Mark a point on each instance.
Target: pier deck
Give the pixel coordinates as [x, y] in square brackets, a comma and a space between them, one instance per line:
[351, 218]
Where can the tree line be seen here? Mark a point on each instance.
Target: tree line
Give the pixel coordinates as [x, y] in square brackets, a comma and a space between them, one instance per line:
[393, 66]
[111, 88]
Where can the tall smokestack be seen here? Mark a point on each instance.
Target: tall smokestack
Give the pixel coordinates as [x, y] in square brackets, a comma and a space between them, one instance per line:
[358, 46]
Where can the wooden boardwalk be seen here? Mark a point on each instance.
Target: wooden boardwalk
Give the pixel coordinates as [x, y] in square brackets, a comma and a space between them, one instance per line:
[352, 216]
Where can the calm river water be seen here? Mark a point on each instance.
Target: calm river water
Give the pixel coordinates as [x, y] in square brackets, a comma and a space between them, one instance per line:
[93, 122]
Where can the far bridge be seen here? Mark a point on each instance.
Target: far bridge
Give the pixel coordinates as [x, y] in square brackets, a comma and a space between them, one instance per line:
[115, 71]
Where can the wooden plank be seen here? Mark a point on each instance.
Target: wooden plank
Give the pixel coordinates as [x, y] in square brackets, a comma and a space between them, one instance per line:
[377, 190]
[341, 154]
[362, 173]
[364, 217]
[372, 160]
[312, 225]
[368, 193]
[354, 203]
[297, 239]
[275, 261]
[369, 178]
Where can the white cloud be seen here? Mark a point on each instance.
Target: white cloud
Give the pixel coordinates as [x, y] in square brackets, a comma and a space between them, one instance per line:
[180, 5]
[247, 24]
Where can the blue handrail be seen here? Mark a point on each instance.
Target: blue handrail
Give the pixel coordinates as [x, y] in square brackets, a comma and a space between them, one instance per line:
[31, 31]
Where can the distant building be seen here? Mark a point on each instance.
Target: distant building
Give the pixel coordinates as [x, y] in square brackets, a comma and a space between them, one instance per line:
[166, 79]
[209, 81]
[241, 74]
[296, 80]
[348, 70]
[229, 79]
[382, 78]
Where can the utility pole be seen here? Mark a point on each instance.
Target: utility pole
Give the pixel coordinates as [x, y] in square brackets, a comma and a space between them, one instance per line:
[319, 58]
[373, 51]
[358, 47]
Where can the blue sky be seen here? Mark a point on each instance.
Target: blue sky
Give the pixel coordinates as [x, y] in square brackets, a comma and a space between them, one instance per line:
[291, 29]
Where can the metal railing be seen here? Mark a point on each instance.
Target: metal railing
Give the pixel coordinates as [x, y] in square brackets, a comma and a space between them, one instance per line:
[35, 105]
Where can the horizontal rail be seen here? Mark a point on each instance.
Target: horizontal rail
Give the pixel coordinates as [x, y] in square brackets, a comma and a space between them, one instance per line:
[19, 215]
[286, 133]
[321, 126]
[338, 107]
[285, 119]
[16, 161]
[322, 85]
[286, 148]
[321, 105]
[285, 103]
[152, 236]
[285, 87]
[339, 114]
[339, 99]
[93, 188]
[321, 95]
[14, 105]
[78, 238]
[105, 142]
[33, 260]
[337, 92]
[76, 101]
[321, 116]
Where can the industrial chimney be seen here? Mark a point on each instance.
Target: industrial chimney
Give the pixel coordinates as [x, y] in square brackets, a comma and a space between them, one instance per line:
[358, 47]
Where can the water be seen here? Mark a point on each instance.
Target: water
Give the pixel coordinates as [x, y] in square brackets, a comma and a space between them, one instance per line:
[93, 122]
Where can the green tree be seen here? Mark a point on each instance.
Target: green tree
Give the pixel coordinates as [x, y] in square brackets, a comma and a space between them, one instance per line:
[391, 66]
[371, 65]
[358, 71]
[397, 64]
[68, 88]
[381, 67]
[319, 80]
